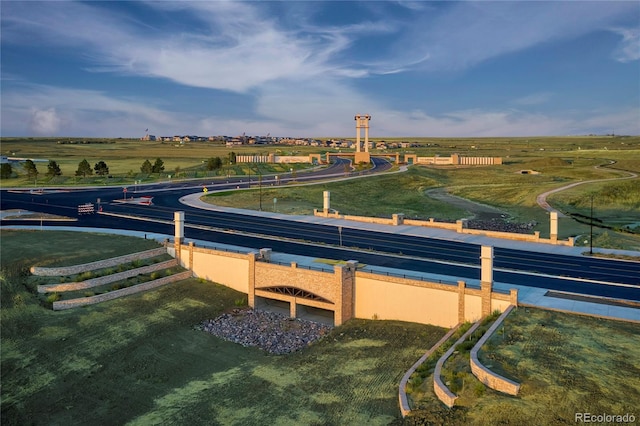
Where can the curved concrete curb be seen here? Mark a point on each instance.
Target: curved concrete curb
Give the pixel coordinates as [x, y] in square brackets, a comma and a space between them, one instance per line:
[482, 373]
[74, 303]
[441, 390]
[107, 279]
[78, 269]
[402, 393]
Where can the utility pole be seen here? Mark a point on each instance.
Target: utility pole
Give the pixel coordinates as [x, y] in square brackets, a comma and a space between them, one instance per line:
[260, 185]
[591, 223]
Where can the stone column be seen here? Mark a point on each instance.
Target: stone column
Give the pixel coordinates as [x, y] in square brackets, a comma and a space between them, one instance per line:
[191, 246]
[554, 226]
[327, 201]
[357, 133]
[486, 278]
[461, 289]
[178, 220]
[251, 294]
[293, 308]
[366, 137]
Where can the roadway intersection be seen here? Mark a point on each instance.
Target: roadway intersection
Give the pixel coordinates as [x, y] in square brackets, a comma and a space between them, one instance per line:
[382, 246]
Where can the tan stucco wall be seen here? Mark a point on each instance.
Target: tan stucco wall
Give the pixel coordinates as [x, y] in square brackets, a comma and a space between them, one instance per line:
[376, 297]
[500, 305]
[229, 269]
[472, 307]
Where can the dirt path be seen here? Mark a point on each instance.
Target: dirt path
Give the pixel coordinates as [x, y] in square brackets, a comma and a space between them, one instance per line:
[542, 198]
[477, 210]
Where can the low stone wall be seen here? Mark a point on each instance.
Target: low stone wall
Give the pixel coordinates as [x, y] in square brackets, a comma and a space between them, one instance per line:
[431, 223]
[458, 227]
[74, 303]
[402, 393]
[78, 269]
[441, 390]
[368, 219]
[486, 376]
[95, 282]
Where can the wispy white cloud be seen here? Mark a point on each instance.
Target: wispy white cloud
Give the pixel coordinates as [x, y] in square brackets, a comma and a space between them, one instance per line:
[629, 49]
[235, 48]
[468, 33]
[44, 110]
[29, 109]
[534, 99]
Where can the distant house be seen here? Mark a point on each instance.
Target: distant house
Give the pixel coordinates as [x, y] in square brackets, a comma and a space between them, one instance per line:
[148, 138]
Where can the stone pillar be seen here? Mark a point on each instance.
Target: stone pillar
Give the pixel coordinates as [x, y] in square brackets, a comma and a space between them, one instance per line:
[345, 280]
[293, 308]
[251, 294]
[178, 220]
[191, 245]
[366, 138]
[461, 288]
[486, 278]
[554, 226]
[513, 296]
[327, 201]
[357, 133]
[398, 218]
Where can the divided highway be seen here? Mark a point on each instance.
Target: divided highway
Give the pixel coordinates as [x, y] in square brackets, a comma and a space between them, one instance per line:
[557, 272]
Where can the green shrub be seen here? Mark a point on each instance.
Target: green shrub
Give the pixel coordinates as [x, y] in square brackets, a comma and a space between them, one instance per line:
[85, 276]
[155, 275]
[53, 297]
[240, 302]
[89, 294]
[478, 389]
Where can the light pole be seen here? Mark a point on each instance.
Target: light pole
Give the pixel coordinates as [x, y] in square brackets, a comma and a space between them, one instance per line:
[340, 234]
[591, 225]
[260, 185]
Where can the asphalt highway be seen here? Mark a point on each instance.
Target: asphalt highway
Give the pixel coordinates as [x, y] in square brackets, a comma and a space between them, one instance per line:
[557, 272]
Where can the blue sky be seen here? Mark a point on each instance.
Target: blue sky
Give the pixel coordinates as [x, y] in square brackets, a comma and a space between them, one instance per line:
[305, 68]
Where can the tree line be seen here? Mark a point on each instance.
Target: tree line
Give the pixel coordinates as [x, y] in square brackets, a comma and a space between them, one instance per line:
[101, 168]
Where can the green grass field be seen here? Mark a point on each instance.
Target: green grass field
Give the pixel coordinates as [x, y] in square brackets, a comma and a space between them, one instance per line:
[139, 360]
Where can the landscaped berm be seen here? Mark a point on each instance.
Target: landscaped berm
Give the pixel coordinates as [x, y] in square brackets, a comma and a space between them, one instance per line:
[142, 359]
[154, 358]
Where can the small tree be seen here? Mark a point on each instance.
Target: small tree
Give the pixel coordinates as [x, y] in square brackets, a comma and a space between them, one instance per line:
[101, 168]
[232, 157]
[84, 169]
[158, 166]
[214, 163]
[31, 169]
[146, 167]
[5, 171]
[53, 169]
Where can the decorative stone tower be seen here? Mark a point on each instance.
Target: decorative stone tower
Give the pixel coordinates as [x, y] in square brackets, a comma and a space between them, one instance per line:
[362, 122]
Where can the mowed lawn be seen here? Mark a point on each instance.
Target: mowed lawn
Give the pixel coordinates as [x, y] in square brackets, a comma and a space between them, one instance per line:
[140, 360]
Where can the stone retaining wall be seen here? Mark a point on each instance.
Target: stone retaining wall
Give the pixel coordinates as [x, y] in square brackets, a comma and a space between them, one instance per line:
[486, 376]
[107, 263]
[74, 303]
[459, 227]
[441, 390]
[95, 282]
[402, 393]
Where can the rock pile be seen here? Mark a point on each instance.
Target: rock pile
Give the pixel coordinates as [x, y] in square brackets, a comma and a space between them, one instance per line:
[273, 332]
[502, 226]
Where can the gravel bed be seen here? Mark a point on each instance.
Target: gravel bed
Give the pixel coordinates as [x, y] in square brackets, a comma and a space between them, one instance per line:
[273, 332]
